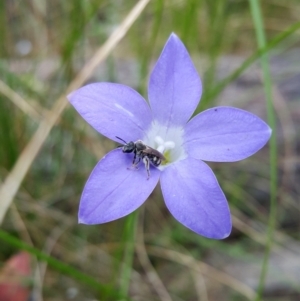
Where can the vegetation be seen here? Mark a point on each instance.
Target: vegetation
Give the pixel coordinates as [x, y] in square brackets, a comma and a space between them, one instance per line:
[247, 54]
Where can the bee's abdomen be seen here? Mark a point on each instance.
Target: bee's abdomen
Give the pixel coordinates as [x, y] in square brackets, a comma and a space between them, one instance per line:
[155, 160]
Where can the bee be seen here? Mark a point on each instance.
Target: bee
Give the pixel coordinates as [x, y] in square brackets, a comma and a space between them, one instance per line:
[142, 152]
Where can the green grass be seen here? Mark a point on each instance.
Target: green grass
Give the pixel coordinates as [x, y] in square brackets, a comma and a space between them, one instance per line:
[261, 41]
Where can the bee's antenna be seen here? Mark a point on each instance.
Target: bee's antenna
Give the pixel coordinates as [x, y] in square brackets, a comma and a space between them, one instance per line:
[121, 139]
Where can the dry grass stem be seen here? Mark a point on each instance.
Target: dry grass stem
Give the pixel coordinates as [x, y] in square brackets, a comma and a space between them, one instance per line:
[284, 245]
[200, 286]
[13, 181]
[202, 268]
[151, 273]
[20, 102]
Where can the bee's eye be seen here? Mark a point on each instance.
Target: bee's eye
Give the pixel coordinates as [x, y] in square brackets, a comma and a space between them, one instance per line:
[128, 148]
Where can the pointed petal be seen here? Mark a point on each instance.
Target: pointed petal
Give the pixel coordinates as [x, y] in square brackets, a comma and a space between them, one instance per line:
[114, 190]
[194, 197]
[113, 110]
[225, 134]
[174, 87]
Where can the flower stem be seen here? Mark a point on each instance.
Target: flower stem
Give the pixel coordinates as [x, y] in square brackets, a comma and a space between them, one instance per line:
[129, 237]
[260, 35]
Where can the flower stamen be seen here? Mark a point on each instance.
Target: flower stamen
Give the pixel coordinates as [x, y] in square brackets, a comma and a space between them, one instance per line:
[163, 146]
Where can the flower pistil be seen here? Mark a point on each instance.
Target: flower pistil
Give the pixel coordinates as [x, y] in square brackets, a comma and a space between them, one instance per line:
[168, 141]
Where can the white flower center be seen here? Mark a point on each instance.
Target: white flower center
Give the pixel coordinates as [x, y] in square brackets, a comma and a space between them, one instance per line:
[167, 141]
[162, 145]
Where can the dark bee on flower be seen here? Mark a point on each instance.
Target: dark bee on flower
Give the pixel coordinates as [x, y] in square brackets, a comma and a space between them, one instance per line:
[142, 152]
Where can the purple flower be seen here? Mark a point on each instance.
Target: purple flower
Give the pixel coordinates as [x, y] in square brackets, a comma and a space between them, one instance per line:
[189, 187]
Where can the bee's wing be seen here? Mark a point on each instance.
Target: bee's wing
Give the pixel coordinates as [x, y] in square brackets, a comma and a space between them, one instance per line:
[151, 151]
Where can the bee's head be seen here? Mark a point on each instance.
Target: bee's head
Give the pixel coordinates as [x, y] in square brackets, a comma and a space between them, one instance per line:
[127, 147]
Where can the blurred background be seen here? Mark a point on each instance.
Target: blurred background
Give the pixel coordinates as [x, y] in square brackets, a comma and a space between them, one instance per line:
[43, 46]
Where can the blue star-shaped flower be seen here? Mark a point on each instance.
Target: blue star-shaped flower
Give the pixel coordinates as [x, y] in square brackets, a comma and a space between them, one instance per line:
[190, 189]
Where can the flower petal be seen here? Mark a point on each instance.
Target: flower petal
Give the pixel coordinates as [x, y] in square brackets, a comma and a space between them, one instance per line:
[225, 134]
[174, 87]
[113, 110]
[114, 189]
[194, 197]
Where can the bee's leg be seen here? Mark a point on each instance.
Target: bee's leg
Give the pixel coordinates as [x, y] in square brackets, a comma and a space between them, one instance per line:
[147, 166]
[135, 161]
[135, 164]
